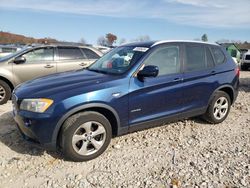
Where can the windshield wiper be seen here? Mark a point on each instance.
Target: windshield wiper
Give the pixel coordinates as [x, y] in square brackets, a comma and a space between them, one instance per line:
[97, 70]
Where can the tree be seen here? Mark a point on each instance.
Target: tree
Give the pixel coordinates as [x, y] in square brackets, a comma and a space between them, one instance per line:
[102, 41]
[111, 38]
[204, 38]
[82, 40]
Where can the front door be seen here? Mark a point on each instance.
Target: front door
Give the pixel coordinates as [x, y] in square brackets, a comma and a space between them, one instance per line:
[160, 96]
[39, 62]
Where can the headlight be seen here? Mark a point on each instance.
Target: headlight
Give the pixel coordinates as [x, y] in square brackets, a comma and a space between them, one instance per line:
[36, 105]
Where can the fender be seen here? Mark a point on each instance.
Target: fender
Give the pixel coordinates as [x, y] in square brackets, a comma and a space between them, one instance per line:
[79, 108]
[219, 88]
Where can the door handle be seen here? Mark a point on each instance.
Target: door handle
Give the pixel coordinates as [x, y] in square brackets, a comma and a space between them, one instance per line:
[48, 66]
[178, 79]
[213, 72]
[83, 64]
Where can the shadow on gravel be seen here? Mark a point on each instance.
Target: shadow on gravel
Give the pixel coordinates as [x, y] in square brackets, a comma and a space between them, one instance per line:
[245, 84]
[11, 137]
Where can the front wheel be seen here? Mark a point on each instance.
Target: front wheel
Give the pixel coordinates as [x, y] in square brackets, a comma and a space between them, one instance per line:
[5, 92]
[85, 136]
[218, 108]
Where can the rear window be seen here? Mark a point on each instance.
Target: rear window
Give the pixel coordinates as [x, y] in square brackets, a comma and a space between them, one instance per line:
[90, 54]
[218, 55]
[67, 53]
[247, 57]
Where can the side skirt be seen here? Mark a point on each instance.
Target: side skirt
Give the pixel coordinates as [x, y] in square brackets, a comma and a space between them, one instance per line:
[163, 120]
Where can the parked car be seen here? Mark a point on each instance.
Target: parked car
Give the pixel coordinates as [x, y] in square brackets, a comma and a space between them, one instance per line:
[133, 87]
[34, 62]
[245, 61]
[103, 49]
[7, 50]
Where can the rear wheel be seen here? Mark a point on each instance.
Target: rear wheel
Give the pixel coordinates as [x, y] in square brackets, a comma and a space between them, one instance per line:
[218, 108]
[85, 136]
[5, 92]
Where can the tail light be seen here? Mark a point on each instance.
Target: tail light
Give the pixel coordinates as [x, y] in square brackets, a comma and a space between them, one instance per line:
[237, 71]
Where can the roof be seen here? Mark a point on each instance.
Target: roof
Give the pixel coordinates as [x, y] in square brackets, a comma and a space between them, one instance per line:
[149, 44]
[140, 44]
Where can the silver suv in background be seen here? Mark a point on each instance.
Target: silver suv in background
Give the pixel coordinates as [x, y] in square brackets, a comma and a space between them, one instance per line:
[40, 61]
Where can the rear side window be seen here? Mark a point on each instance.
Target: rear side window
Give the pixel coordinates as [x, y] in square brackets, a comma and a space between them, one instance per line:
[195, 58]
[218, 55]
[67, 53]
[90, 54]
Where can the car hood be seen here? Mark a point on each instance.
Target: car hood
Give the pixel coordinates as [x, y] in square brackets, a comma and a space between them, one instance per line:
[67, 82]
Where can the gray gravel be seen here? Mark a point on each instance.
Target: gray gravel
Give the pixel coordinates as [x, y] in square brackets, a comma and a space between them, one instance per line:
[188, 153]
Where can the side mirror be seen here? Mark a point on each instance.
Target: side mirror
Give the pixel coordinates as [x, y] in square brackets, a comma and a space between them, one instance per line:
[148, 71]
[19, 60]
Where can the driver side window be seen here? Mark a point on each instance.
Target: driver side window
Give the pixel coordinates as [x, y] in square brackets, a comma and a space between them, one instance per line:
[166, 58]
[41, 54]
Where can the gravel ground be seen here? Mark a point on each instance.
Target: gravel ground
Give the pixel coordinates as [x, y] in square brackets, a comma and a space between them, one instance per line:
[188, 153]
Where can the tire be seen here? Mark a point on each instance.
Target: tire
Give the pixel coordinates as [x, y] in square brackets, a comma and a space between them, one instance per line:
[217, 110]
[88, 143]
[5, 92]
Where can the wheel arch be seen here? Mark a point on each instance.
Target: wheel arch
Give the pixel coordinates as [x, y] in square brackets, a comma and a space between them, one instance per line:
[227, 89]
[109, 112]
[8, 82]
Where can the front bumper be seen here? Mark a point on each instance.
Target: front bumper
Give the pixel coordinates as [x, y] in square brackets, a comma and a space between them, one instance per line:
[36, 127]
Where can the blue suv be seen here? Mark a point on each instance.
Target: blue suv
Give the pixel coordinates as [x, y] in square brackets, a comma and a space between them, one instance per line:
[133, 87]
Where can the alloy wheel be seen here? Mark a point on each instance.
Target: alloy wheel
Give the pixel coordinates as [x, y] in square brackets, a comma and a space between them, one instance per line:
[220, 108]
[2, 93]
[89, 138]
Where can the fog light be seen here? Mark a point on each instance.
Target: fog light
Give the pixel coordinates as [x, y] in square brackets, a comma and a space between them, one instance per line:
[27, 122]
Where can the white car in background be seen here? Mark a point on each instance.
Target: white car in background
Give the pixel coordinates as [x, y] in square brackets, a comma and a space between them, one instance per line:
[245, 61]
[6, 50]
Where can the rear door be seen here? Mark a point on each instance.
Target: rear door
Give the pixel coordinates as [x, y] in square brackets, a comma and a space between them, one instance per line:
[39, 62]
[91, 55]
[70, 58]
[199, 76]
[160, 96]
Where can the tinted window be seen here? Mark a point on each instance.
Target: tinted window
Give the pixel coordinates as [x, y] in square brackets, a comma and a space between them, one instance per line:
[69, 53]
[8, 50]
[41, 54]
[210, 61]
[90, 54]
[166, 58]
[218, 55]
[195, 58]
[247, 57]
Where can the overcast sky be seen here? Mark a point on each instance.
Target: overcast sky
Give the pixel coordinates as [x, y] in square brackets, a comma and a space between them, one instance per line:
[160, 19]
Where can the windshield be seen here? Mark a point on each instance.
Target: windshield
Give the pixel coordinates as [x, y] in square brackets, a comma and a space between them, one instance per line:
[119, 60]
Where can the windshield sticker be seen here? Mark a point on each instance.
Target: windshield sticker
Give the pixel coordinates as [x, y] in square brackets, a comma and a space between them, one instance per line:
[140, 49]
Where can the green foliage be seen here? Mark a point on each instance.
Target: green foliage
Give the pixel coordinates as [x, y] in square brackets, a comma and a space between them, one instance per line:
[204, 38]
